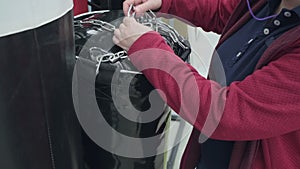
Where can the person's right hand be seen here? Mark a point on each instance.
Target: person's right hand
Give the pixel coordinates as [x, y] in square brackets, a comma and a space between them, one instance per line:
[141, 6]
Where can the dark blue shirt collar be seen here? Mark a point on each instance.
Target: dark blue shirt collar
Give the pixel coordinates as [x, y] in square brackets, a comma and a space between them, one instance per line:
[273, 5]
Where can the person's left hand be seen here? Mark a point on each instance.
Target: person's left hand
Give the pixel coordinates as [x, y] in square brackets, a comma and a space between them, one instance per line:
[129, 31]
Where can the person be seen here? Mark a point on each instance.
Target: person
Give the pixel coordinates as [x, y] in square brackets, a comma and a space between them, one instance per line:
[253, 113]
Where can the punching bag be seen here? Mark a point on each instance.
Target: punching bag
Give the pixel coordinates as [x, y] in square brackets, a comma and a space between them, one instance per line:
[108, 81]
[38, 126]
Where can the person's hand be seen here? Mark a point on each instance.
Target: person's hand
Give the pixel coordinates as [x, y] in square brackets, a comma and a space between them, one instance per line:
[141, 6]
[129, 31]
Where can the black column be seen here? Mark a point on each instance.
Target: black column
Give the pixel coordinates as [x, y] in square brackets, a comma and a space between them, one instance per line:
[38, 126]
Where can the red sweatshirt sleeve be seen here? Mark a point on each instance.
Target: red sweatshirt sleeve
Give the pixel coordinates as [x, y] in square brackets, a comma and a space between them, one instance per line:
[264, 105]
[208, 14]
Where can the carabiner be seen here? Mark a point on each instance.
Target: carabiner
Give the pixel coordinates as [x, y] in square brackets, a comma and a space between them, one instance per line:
[129, 11]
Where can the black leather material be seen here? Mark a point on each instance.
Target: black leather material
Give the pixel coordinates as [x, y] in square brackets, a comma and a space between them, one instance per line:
[38, 126]
[139, 90]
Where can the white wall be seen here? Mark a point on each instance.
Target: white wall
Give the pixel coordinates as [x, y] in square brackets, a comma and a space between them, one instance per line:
[22, 15]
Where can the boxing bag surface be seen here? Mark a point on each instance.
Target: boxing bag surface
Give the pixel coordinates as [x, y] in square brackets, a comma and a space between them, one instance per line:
[38, 126]
[131, 87]
[119, 87]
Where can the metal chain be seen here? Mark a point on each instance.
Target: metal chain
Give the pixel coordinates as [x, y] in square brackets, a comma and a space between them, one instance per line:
[95, 22]
[112, 57]
[98, 54]
[148, 19]
[107, 57]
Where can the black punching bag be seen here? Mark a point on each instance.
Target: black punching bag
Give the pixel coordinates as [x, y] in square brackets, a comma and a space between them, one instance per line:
[113, 139]
[125, 121]
[38, 126]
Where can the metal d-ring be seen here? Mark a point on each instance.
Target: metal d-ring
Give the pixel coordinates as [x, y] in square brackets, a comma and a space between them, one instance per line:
[129, 11]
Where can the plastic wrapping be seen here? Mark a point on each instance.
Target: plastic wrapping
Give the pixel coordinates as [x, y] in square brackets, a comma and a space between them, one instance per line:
[38, 126]
[111, 79]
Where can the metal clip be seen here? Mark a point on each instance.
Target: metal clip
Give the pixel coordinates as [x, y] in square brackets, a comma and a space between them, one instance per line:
[104, 25]
[100, 24]
[149, 25]
[122, 54]
[129, 11]
[114, 58]
[117, 56]
[77, 23]
[153, 16]
[106, 57]
[111, 57]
